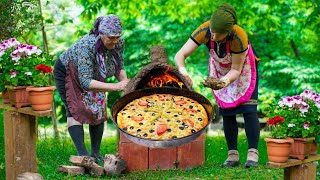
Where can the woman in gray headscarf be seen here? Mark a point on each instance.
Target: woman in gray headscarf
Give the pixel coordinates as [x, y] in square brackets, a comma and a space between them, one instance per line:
[232, 76]
[80, 75]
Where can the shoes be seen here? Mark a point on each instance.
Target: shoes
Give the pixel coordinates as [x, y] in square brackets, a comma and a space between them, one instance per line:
[230, 164]
[250, 163]
[252, 158]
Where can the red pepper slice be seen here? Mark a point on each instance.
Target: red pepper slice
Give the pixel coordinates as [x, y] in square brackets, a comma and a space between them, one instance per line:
[137, 118]
[189, 121]
[143, 103]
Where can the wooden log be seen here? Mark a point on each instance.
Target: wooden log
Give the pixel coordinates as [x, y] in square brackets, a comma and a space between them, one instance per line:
[96, 170]
[29, 176]
[83, 161]
[306, 171]
[114, 166]
[71, 170]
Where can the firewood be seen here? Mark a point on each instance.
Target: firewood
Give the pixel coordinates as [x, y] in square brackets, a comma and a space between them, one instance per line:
[29, 176]
[71, 170]
[83, 161]
[96, 170]
[114, 166]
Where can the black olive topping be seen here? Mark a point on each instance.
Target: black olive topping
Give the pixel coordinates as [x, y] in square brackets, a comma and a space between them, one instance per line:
[133, 109]
[200, 119]
[198, 110]
[153, 114]
[178, 121]
[169, 130]
[131, 127]
[129, 116]
[183, 124]
[193, 131]
[176, 115]
[139, 114]
[186, 126]
[168, 120]
[153, 124]
[168, 112]
[138, 130]
[145, 135]
[174, 137]
[181, 127]
[141, 123]
[125, 128]
[151, 131]
[179, 113]
[191, 114]
[190, 107]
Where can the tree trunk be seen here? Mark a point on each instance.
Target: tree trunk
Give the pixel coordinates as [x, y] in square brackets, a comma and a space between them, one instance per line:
[295, 49]
[45, 46]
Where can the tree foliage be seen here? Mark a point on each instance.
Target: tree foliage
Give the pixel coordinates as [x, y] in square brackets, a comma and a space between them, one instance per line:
[285, 35]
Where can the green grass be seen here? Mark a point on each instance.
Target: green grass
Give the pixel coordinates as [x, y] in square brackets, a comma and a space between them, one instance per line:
[54, 152]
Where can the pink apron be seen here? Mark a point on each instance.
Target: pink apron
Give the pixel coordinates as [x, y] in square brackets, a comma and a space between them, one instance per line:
[239, 91]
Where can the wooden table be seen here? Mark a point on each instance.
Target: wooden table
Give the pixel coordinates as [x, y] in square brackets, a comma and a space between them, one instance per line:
[296, 169]
[20, 135]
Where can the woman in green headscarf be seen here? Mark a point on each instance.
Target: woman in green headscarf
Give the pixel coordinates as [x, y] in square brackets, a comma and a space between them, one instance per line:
[232, 76]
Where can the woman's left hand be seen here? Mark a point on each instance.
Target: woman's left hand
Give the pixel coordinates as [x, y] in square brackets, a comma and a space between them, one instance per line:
[120, 86]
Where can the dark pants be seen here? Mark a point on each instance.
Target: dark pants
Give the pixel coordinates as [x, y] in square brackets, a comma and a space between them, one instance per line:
[60, 80]
[252, 128]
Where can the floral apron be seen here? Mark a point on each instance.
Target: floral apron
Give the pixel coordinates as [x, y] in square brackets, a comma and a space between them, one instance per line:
[239, 91]
[86, 107]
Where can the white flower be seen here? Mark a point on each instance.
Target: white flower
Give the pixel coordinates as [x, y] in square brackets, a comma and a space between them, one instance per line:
[291, 125]
[28, 73]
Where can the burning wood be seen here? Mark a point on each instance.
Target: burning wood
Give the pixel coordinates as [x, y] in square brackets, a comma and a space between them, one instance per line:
[164, 79]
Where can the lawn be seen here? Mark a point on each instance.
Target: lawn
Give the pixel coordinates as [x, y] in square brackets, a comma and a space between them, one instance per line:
[54, 152]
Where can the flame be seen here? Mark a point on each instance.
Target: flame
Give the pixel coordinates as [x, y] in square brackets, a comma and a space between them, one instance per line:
[164, 79]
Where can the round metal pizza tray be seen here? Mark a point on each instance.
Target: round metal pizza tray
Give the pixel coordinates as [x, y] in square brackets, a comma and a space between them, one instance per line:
[124, 100]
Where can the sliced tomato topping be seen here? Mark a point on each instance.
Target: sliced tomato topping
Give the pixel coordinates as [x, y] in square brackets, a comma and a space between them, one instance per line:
[137, 118]
[161, 128]
[191, 110]
[161, 97]
[180, 102]
[143, 103]
[188, 121]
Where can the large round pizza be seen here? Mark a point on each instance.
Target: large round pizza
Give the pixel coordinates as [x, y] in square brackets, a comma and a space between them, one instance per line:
[162, 117]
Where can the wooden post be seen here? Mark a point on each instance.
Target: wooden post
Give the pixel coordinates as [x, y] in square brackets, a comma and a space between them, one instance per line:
[20, 135]
[20, 143]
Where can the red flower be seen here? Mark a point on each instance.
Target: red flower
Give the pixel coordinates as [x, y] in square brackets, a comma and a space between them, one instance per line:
[271, 121]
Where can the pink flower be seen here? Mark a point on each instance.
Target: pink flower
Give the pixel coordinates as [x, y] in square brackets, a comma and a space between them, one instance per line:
[306, 125]
[13, 73]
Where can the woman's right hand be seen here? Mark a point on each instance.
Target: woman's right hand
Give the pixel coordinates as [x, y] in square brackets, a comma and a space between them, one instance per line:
[120, 86]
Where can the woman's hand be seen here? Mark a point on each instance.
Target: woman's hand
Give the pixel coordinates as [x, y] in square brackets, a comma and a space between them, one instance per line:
[120, 86]
[215, 83]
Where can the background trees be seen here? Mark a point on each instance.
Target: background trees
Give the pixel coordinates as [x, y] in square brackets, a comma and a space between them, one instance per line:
[284, 34]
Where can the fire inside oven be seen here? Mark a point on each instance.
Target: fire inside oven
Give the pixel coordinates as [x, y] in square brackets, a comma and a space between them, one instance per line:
[161, 77]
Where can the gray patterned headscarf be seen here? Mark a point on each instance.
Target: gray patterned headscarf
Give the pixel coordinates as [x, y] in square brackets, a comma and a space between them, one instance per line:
[109, 25]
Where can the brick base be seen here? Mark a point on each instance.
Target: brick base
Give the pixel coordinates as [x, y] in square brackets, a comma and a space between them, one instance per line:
[140, 157]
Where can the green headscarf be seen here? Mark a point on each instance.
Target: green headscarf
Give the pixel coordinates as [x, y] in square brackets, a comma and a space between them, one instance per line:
[223, 19]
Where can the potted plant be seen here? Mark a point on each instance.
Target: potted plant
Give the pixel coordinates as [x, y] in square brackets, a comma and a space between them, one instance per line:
[6, 47]
[41, 93]
[278, 145]
[302, 120]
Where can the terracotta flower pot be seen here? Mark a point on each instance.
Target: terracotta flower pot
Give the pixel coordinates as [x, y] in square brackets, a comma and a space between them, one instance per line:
[301, 148]
[41, 97]
[278, 149]
[5, 97]
[18, 96]
[314, 148]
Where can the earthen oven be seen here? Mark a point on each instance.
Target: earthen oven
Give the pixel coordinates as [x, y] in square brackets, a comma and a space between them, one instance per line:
[140, 157]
